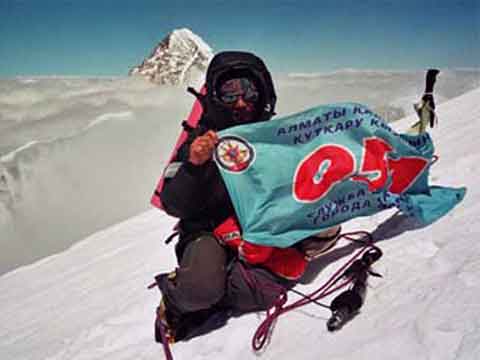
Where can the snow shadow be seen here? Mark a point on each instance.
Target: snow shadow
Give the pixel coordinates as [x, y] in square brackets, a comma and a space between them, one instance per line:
[395, 225]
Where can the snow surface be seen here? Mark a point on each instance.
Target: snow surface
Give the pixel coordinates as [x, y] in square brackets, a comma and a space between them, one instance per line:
[90, 302]
[80, 154]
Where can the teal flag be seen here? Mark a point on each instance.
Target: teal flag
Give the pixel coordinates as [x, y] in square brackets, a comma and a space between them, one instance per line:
[292, 177]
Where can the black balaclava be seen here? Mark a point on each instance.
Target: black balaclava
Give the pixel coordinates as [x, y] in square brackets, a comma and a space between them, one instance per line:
[236, 64]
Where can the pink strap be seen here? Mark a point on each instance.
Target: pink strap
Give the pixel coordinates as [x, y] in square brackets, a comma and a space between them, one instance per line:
[192, 121]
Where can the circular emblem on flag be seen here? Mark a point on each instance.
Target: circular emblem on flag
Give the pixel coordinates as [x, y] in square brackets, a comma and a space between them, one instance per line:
[234, 154]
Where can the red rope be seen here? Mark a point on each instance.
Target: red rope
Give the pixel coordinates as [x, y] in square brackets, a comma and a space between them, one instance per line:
[264, 330]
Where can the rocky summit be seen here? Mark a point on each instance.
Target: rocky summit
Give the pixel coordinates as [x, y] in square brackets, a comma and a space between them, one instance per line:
[181, 58]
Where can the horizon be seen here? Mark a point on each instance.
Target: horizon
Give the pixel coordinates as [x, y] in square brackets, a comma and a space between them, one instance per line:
[292, 74]
[58, 38]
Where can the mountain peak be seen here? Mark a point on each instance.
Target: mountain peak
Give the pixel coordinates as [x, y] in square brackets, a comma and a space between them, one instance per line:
[181, 58]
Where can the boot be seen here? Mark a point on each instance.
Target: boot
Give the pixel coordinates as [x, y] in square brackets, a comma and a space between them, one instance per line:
[178, 326]
[189, 325]
[318, 245]
[165, 320]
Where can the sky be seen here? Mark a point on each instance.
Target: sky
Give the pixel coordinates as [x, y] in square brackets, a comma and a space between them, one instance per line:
[108, 37]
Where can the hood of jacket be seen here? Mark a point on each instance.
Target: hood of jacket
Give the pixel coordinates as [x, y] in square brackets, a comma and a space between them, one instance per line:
[233, 64]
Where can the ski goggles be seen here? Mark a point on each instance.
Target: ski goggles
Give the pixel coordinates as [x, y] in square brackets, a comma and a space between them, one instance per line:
[234, 89]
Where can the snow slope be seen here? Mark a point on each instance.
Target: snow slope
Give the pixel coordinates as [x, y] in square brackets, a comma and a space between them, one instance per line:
[53, 131]
[90, 302]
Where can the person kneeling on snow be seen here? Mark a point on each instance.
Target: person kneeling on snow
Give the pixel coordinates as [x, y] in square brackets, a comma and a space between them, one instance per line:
[219, 274]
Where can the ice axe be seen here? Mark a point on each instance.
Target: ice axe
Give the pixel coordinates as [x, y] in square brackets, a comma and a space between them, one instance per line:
[426, 107]
[346, 305]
